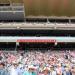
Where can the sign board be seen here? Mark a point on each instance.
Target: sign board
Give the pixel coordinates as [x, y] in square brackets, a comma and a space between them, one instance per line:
[38, 40]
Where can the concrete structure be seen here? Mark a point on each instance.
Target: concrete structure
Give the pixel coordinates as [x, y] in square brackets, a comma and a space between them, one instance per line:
[49, 26]
[14, 12]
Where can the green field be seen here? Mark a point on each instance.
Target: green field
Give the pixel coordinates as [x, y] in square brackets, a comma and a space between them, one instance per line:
[47, 7]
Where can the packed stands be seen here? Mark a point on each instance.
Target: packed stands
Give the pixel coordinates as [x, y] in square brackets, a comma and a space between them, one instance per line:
[41, 61]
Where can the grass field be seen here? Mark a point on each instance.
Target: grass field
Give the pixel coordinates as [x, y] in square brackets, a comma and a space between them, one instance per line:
[47, 7]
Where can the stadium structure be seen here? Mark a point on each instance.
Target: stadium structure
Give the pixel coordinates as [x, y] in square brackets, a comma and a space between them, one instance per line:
[19, 32]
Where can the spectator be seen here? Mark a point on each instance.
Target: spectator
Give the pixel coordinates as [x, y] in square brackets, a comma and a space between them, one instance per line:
[3, 71]
[15, 70]
[30, 71]
[53, 72]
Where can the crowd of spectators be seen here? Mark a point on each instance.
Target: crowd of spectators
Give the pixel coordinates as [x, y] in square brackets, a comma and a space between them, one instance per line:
[37, 63]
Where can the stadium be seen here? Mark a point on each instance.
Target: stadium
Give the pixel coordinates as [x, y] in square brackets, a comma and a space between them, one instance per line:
[37, 37]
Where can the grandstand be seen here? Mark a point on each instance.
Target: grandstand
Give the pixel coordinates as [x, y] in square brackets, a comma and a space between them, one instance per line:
[43, 30]
[39, 33]
[46, 7]
[16, 25]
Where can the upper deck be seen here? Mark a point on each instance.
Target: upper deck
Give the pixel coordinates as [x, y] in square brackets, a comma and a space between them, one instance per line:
[12, 12]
